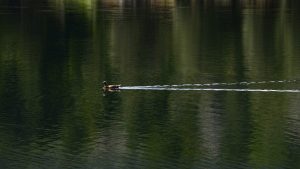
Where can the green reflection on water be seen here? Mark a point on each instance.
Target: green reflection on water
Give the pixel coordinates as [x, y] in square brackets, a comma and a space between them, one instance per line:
[54, 56]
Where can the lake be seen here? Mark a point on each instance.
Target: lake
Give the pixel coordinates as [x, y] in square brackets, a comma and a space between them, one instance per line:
[205, 84]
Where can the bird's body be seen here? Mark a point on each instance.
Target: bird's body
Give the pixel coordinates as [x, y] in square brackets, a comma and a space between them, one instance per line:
[110, 87]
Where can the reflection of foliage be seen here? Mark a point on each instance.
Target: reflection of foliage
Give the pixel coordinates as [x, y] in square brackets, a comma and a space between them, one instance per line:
[52, 65]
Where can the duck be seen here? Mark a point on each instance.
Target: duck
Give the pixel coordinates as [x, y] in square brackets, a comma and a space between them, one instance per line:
[108, 87]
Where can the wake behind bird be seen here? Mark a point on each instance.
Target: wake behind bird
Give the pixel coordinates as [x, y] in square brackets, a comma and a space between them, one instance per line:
[216, 87]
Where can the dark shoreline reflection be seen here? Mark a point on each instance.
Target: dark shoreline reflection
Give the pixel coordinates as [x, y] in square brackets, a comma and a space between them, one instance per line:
[54, 56]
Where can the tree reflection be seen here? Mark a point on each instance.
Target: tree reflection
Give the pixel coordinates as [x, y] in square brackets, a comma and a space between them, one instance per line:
[55, 54]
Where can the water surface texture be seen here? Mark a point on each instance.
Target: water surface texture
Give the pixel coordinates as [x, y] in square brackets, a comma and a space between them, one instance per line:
[205, 84]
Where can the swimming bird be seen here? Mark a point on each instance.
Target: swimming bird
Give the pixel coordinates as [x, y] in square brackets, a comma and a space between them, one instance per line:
[108, 87]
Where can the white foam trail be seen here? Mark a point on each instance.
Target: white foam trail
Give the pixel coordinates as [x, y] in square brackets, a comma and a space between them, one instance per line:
[208, 89]
[218, 84]
[191, 87]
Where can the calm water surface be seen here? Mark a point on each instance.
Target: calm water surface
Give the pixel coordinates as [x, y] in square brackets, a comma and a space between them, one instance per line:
[54, 56]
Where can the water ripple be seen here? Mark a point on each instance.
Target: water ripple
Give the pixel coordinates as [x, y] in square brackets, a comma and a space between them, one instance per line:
[244, 83]
[192, 87]
[210, 89]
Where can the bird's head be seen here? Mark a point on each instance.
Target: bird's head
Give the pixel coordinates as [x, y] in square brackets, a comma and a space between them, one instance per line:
[104, 83]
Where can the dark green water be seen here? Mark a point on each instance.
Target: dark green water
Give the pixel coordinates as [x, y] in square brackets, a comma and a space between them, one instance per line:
[54, 56]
